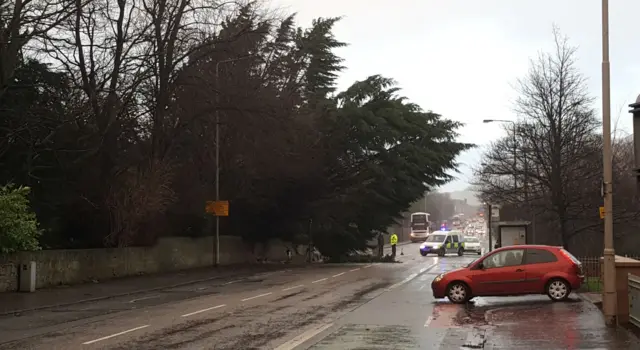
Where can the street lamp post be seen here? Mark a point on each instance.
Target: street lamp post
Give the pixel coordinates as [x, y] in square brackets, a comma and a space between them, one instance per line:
[217, 82]
[609, 268]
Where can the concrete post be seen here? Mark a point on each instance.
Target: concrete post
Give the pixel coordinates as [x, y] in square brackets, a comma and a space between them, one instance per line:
[635, 111]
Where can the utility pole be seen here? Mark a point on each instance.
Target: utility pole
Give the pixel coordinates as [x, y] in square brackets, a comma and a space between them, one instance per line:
[489, 219]
[526, 195]
[525, 183]
[635, 111]
[609, 297]
[515, 160]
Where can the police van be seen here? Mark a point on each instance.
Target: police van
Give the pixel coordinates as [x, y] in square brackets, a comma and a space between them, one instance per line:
[443, 242]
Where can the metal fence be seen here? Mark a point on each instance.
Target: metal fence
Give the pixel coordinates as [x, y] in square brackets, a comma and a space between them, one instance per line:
[593, 273]
[634, 299]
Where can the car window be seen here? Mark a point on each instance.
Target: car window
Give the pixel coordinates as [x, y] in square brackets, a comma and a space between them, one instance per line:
[455, 238]
[505, 258]
[448, 240]
[540, 256]
[471, 240]
[435, 238]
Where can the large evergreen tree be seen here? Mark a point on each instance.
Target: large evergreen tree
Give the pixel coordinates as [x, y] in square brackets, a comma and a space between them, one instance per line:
[392, 152]
[294, 152]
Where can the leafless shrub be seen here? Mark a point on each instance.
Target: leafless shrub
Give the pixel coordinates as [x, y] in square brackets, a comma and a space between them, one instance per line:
[145, 192]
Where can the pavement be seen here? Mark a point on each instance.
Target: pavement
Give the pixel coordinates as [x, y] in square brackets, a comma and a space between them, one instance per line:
[351, 306]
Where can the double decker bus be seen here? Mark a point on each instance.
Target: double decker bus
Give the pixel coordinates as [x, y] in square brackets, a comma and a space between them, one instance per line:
[456, 221]
[420, 226]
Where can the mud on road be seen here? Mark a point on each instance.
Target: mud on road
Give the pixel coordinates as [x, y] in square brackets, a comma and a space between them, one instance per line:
[255, 327]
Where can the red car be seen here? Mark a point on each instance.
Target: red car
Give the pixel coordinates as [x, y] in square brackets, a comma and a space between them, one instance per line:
[513, 270]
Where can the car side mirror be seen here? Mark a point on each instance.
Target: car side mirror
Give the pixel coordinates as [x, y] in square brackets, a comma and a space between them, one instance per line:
[480, 266]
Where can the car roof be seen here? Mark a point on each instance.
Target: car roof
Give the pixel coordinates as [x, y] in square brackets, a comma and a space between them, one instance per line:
[449, 233]
[528, 246]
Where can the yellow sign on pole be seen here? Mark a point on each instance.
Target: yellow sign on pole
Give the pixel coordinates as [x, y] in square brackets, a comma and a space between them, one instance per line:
[601, 212]
[217, 208]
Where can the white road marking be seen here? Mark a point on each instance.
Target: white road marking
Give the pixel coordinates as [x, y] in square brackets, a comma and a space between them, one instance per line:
[227, 283]
[354, 269]
[410, 277]
[428, 322]
[257, 296]
[144, 298]
[421, 287]
[300, 339]
[294, 287]
[368, 266]
[339, 274]
[115, 335]
[320, 280]
[203, 310]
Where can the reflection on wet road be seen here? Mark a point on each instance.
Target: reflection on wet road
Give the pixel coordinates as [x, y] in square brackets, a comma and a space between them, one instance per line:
[409, 318]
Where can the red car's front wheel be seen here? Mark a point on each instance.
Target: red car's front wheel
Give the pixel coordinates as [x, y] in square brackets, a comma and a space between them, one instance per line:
[458, 292]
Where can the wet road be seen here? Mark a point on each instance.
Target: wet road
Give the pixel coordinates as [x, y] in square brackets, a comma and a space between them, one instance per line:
[409, 318]
[379, 306]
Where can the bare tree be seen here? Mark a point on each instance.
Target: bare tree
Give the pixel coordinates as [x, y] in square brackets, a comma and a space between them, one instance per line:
[557, 137]
[21, 21]
[182, 32]
[103, 47]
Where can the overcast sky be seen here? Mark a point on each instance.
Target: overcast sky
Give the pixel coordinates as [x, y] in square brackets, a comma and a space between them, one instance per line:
[460, 58]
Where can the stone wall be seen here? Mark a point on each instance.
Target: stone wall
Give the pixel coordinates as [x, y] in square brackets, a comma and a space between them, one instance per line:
[64, 267]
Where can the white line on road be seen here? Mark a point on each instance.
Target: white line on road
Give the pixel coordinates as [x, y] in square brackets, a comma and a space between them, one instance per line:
[203, 310]
[368, 266]
[428, 322]
[257, 296]
[294, 287]
[115, 335]
[227, 283]
[144, 298]
[300, 339]
[339, 274]
[412, 276]
[354, 269]
[320, 280]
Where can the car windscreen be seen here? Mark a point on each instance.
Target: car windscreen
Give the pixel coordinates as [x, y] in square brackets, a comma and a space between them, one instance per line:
[471, 240]
[436, 238]
[471, 263]
[419, 219]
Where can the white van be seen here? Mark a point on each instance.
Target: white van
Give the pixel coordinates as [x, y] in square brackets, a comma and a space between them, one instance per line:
[442, 243]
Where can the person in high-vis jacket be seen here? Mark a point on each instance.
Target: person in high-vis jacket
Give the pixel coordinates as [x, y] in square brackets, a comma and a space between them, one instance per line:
[394, 241]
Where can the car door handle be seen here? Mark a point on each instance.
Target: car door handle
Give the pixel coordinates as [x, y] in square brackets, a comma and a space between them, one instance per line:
[519, 270]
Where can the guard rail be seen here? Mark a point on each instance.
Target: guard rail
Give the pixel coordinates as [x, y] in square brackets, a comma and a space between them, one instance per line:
[634, 299]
